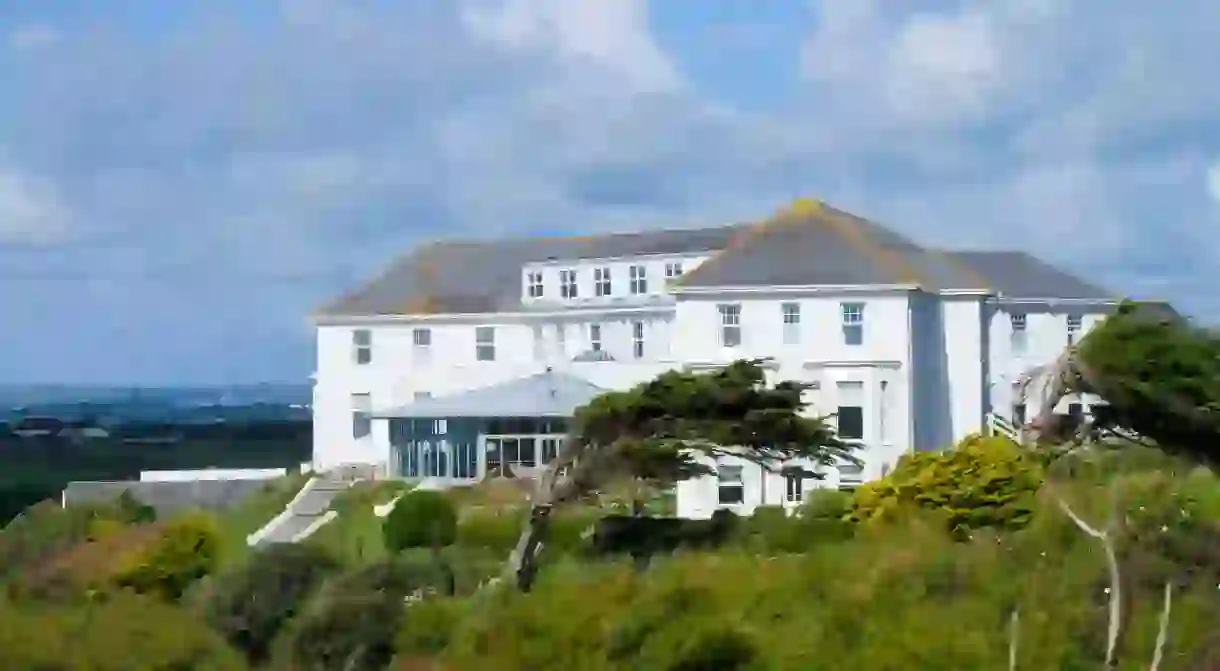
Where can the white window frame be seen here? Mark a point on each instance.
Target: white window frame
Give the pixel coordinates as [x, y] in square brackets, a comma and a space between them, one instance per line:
[730, 324]
[602, 285]
[595, 337]
[1018, 338]
[1075, 324]
[639, 279]
[485, 343]
[673, 269]
[421, 343]
[637, 339]
[362, 420]
[853, 323]
[568, 288]
[730, 478]
[535, 286]
[362, 347]
[790, 315]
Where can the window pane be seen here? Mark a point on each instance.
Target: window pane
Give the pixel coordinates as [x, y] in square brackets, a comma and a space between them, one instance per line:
[731, 336]
[364, 355]
[422, 337]
[731, 494]
[853, 334]
[851, 422]
[526, 448]
[510, 449]
[485, 334]
[362, 337]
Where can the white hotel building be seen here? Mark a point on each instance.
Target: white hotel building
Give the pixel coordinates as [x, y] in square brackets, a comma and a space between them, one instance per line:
[463, 357]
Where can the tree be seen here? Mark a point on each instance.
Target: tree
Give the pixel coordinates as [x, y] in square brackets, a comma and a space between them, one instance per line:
[1158, 376]
[667, 430]
[251, 605]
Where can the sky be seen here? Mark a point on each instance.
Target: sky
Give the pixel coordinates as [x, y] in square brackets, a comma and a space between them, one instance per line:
[182, 182]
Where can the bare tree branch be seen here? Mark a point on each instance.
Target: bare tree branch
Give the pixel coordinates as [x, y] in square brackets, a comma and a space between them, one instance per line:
[1103, 536]
[1162, 633]
[1013, 634]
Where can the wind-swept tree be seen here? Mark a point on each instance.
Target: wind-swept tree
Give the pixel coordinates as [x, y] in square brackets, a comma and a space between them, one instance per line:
[672, 428]
[1158, 376]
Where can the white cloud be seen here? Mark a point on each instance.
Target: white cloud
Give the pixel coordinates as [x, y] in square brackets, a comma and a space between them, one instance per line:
[608, 34]
[302, 153]
[31, 212]
[33, 36]
[1213, 182]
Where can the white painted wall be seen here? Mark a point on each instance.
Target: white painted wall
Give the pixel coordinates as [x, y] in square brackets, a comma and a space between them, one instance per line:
[930, 367]
[213, 474]
[620, 277]
[1046, 336]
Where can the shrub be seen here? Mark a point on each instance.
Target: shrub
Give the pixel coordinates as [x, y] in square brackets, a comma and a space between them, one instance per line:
[428, 626]
[420, 519]
[490, 529]
[123, 633]
[354, 632]
[251, 605]
[187, 550]
[983, 482]
[411, 573]
[133, 511]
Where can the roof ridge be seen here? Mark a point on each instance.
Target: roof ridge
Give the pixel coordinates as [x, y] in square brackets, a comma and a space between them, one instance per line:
[868, 247]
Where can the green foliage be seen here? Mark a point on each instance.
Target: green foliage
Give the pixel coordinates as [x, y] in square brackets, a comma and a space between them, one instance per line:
[188, 549]
[428, 626]
[123, 633]
[249, 606]
[1160, 377]
[877, 600]
[420, 519]
[354, 632]
[656, 431]
[983, 482]
[46, 529]
[133, 511]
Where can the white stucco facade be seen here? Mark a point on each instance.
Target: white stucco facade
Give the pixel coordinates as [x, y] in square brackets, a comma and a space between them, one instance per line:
[924, 371]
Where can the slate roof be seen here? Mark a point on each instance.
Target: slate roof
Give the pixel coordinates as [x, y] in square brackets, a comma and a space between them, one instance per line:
[548, 394]
[167, 497]
[1019, 275]
[809, 244]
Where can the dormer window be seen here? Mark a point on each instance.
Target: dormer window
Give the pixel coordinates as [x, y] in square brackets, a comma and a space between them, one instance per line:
[639, 279]
[535, 284]
[601, 281]
[673, 269]
[567, 284]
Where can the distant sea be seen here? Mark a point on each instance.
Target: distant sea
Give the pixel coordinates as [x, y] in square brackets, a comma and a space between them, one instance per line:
[154, 403]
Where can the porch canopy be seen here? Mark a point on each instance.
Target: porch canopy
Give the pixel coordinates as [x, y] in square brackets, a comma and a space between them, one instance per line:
[513, 426]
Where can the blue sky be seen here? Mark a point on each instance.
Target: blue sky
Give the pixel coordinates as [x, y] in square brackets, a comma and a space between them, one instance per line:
[180, 183]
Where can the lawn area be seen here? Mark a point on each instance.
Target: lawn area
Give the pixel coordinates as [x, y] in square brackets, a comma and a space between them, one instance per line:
[256, 510]
[355, 535]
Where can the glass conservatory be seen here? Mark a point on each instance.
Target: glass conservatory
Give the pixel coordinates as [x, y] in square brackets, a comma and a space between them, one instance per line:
[514, 427]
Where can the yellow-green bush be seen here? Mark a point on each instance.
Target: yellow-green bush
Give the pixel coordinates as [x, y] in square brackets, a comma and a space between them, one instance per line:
[981, 482]
[187, 550]
[123, 633]
[894, 597]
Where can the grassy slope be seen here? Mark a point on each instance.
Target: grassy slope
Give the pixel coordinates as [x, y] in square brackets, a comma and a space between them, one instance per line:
[251, 514]
[355, 536]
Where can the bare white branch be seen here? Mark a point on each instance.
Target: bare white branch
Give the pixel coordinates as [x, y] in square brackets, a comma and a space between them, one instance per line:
[1162, 634]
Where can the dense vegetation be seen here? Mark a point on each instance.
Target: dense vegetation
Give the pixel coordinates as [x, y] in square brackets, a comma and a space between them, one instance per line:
[989, 555]
[33, 469]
